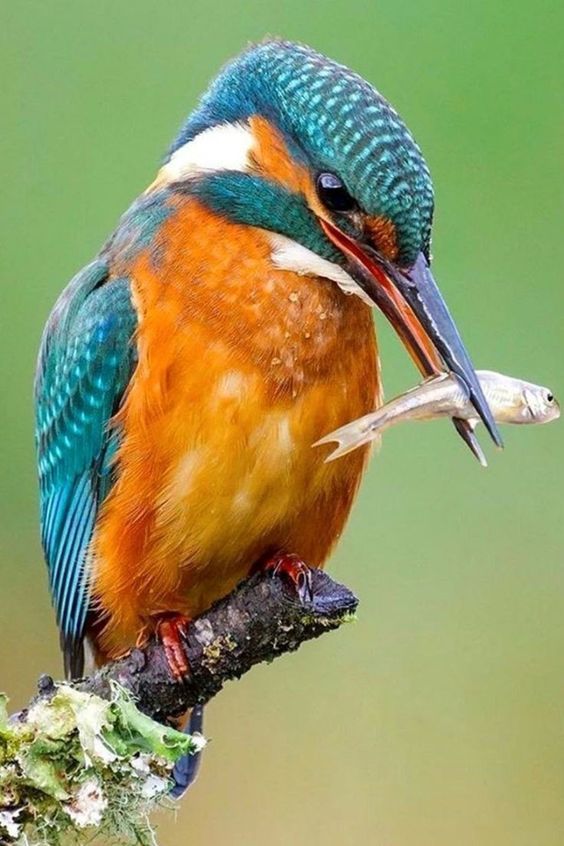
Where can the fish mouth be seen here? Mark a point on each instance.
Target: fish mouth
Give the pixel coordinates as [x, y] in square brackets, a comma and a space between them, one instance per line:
[410, 299]
[542, 409]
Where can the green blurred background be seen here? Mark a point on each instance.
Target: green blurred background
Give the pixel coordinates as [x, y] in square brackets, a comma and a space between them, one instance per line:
[437, 718]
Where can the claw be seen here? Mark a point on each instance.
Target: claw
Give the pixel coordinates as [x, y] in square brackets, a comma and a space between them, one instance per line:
[171, 630]
[291, 567]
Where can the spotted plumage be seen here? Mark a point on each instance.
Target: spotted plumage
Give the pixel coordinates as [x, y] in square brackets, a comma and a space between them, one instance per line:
[316, 103]
[186, 372]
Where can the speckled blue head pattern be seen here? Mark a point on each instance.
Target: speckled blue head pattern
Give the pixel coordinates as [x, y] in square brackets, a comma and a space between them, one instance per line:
[333, 120]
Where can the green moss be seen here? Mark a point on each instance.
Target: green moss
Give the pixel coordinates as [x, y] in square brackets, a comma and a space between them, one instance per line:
[214, 650]
[81, 767]
[327, 622]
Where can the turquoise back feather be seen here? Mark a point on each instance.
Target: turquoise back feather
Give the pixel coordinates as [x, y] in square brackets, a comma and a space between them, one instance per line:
[85, 363]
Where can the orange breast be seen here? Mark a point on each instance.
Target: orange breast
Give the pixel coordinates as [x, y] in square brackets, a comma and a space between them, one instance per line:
[241, 368]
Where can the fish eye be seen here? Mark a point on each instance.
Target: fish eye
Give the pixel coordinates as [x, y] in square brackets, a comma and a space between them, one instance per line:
[549, 398]
[333, 194]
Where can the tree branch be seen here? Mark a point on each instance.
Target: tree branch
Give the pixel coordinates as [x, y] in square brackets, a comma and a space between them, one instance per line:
[73, 759]
[260, 620]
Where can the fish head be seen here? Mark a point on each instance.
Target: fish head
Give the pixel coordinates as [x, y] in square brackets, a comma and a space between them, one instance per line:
[539, 404]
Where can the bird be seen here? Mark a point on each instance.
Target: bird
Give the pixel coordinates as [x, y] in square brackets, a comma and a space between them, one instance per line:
[224, 327]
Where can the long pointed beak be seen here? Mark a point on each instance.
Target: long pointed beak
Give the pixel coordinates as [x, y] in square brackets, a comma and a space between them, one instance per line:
[416, 309]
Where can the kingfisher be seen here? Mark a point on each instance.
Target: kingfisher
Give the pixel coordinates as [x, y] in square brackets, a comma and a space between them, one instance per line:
[224, 328]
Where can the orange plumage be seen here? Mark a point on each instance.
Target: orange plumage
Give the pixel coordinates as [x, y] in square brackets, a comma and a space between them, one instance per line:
[186, 372]
[241, 368]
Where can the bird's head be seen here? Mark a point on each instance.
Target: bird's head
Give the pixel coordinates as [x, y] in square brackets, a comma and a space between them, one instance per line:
[293, 143]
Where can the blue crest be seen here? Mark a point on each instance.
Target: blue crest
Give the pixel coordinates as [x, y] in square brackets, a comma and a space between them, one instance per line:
[333, 120]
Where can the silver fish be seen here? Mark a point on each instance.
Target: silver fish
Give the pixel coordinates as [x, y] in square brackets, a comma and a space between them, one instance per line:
[511, 401]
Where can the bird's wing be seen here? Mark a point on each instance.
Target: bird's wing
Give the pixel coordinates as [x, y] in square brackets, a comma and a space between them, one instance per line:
[85, 363]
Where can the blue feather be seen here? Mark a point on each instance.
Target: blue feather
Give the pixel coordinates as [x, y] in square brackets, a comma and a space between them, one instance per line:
[86, 360]
[333, 120]
[72, 545]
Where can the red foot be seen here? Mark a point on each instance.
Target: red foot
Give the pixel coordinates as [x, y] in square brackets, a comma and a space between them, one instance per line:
[291, 567]
[171, 631]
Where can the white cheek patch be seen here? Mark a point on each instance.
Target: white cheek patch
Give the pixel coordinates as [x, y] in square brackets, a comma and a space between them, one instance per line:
[223, 147]
[228, 146]
[289, 255]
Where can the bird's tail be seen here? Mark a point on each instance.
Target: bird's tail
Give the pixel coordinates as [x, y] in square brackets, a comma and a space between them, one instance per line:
[186, 769]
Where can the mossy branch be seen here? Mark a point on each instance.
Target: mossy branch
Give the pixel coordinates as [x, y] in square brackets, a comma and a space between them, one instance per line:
[98, 753]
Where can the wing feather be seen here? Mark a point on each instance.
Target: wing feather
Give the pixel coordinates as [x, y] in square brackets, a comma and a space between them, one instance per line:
[86, 360]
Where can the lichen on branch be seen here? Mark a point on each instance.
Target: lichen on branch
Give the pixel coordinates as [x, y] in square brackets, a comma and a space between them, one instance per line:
[75, 762]
[96, 756]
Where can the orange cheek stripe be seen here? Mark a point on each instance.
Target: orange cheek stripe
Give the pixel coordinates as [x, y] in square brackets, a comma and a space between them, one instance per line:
[382, 234]
[272, 158]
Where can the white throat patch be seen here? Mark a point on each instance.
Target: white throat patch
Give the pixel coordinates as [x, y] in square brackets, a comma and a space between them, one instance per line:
[289, 255]
[228, 146]
[223, 147]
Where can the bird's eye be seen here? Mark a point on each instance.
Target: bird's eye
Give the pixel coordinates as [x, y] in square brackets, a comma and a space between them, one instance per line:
[333, 194]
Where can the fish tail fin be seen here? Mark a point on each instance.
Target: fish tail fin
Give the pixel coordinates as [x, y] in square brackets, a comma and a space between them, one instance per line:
[347, 438]
[355, 434]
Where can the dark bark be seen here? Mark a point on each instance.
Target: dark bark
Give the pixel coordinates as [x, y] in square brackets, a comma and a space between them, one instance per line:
[259, 620]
